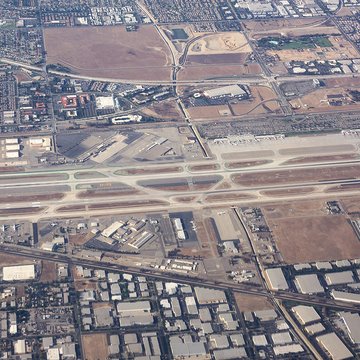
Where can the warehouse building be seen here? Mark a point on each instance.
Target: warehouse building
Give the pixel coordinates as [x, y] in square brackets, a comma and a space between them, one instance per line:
[337, 278]
[275, 279]
[225, 91]
[19, 272]
[305, 314]
[309, 284]
[352, 324]
[346, 296]
[334, 347]
[209, 296]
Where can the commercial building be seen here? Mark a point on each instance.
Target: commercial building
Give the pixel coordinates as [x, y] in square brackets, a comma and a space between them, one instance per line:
[346, 296]
[305, 314]
[337, 278]
[209, 296]
[229, 91]
[352, 324]
[309, 284]
[275, 279]
[19, 272]
[111, 230]
[184, 347]
[334, 347]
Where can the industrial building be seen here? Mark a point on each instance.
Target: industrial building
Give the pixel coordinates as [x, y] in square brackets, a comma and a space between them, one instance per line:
[345, 296]
[111, 230]
[19, 272]
[225, 91]
[305, 314]
[209, 296]
[336, 349]
[338, 278]
[352, 324]
[309, 284]
[275, 279]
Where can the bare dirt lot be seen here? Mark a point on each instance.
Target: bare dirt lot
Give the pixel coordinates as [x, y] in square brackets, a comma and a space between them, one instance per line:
[317, 238]
[297, 175]
[220, 43]
[245, 164]
[317, 159]
[247, 302]
[320, 100]
[196, 72]
[287, 192]
[109, 52]
[204, 167]
[276, 24]
[149, 171]
[95, 346]
[30, 198]
[48, 271]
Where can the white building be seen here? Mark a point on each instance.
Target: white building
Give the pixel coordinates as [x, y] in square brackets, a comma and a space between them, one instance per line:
[19, 272]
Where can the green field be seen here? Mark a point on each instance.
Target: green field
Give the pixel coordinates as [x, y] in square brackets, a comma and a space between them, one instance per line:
[7, 24]
[303, 42]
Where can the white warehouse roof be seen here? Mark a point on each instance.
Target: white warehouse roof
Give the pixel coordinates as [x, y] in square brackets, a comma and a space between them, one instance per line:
[345, 296]
[19, 272]
[352, 323]
[334, 346]
[306, 314]
[343, 277]
[231, 90]
[309, 284]
[276, 279]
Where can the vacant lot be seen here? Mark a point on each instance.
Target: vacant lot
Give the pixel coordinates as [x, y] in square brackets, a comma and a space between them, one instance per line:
[317, 238]
[109, 51]
[95, 346]
[252, 303]
[220, 43]
[205, 71]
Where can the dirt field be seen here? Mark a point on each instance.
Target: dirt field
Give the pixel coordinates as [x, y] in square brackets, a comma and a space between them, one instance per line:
[88, 194]
[287, 192]
[30, 198]
[276, 24]
[245, 164]
[228, 197]
[318, 100]
[263, 100]
[95, 346]
[21, 211]
[48, 271]
[300, 31]
[316, 159]
[204, 167]
[303, 208]
[317, 238]
[247, 302]
[220, 43]
[8, 259]
[297, 175]
[109, 51]
[196, 72]
[351, 205]
[163, 110]
[149, 171]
